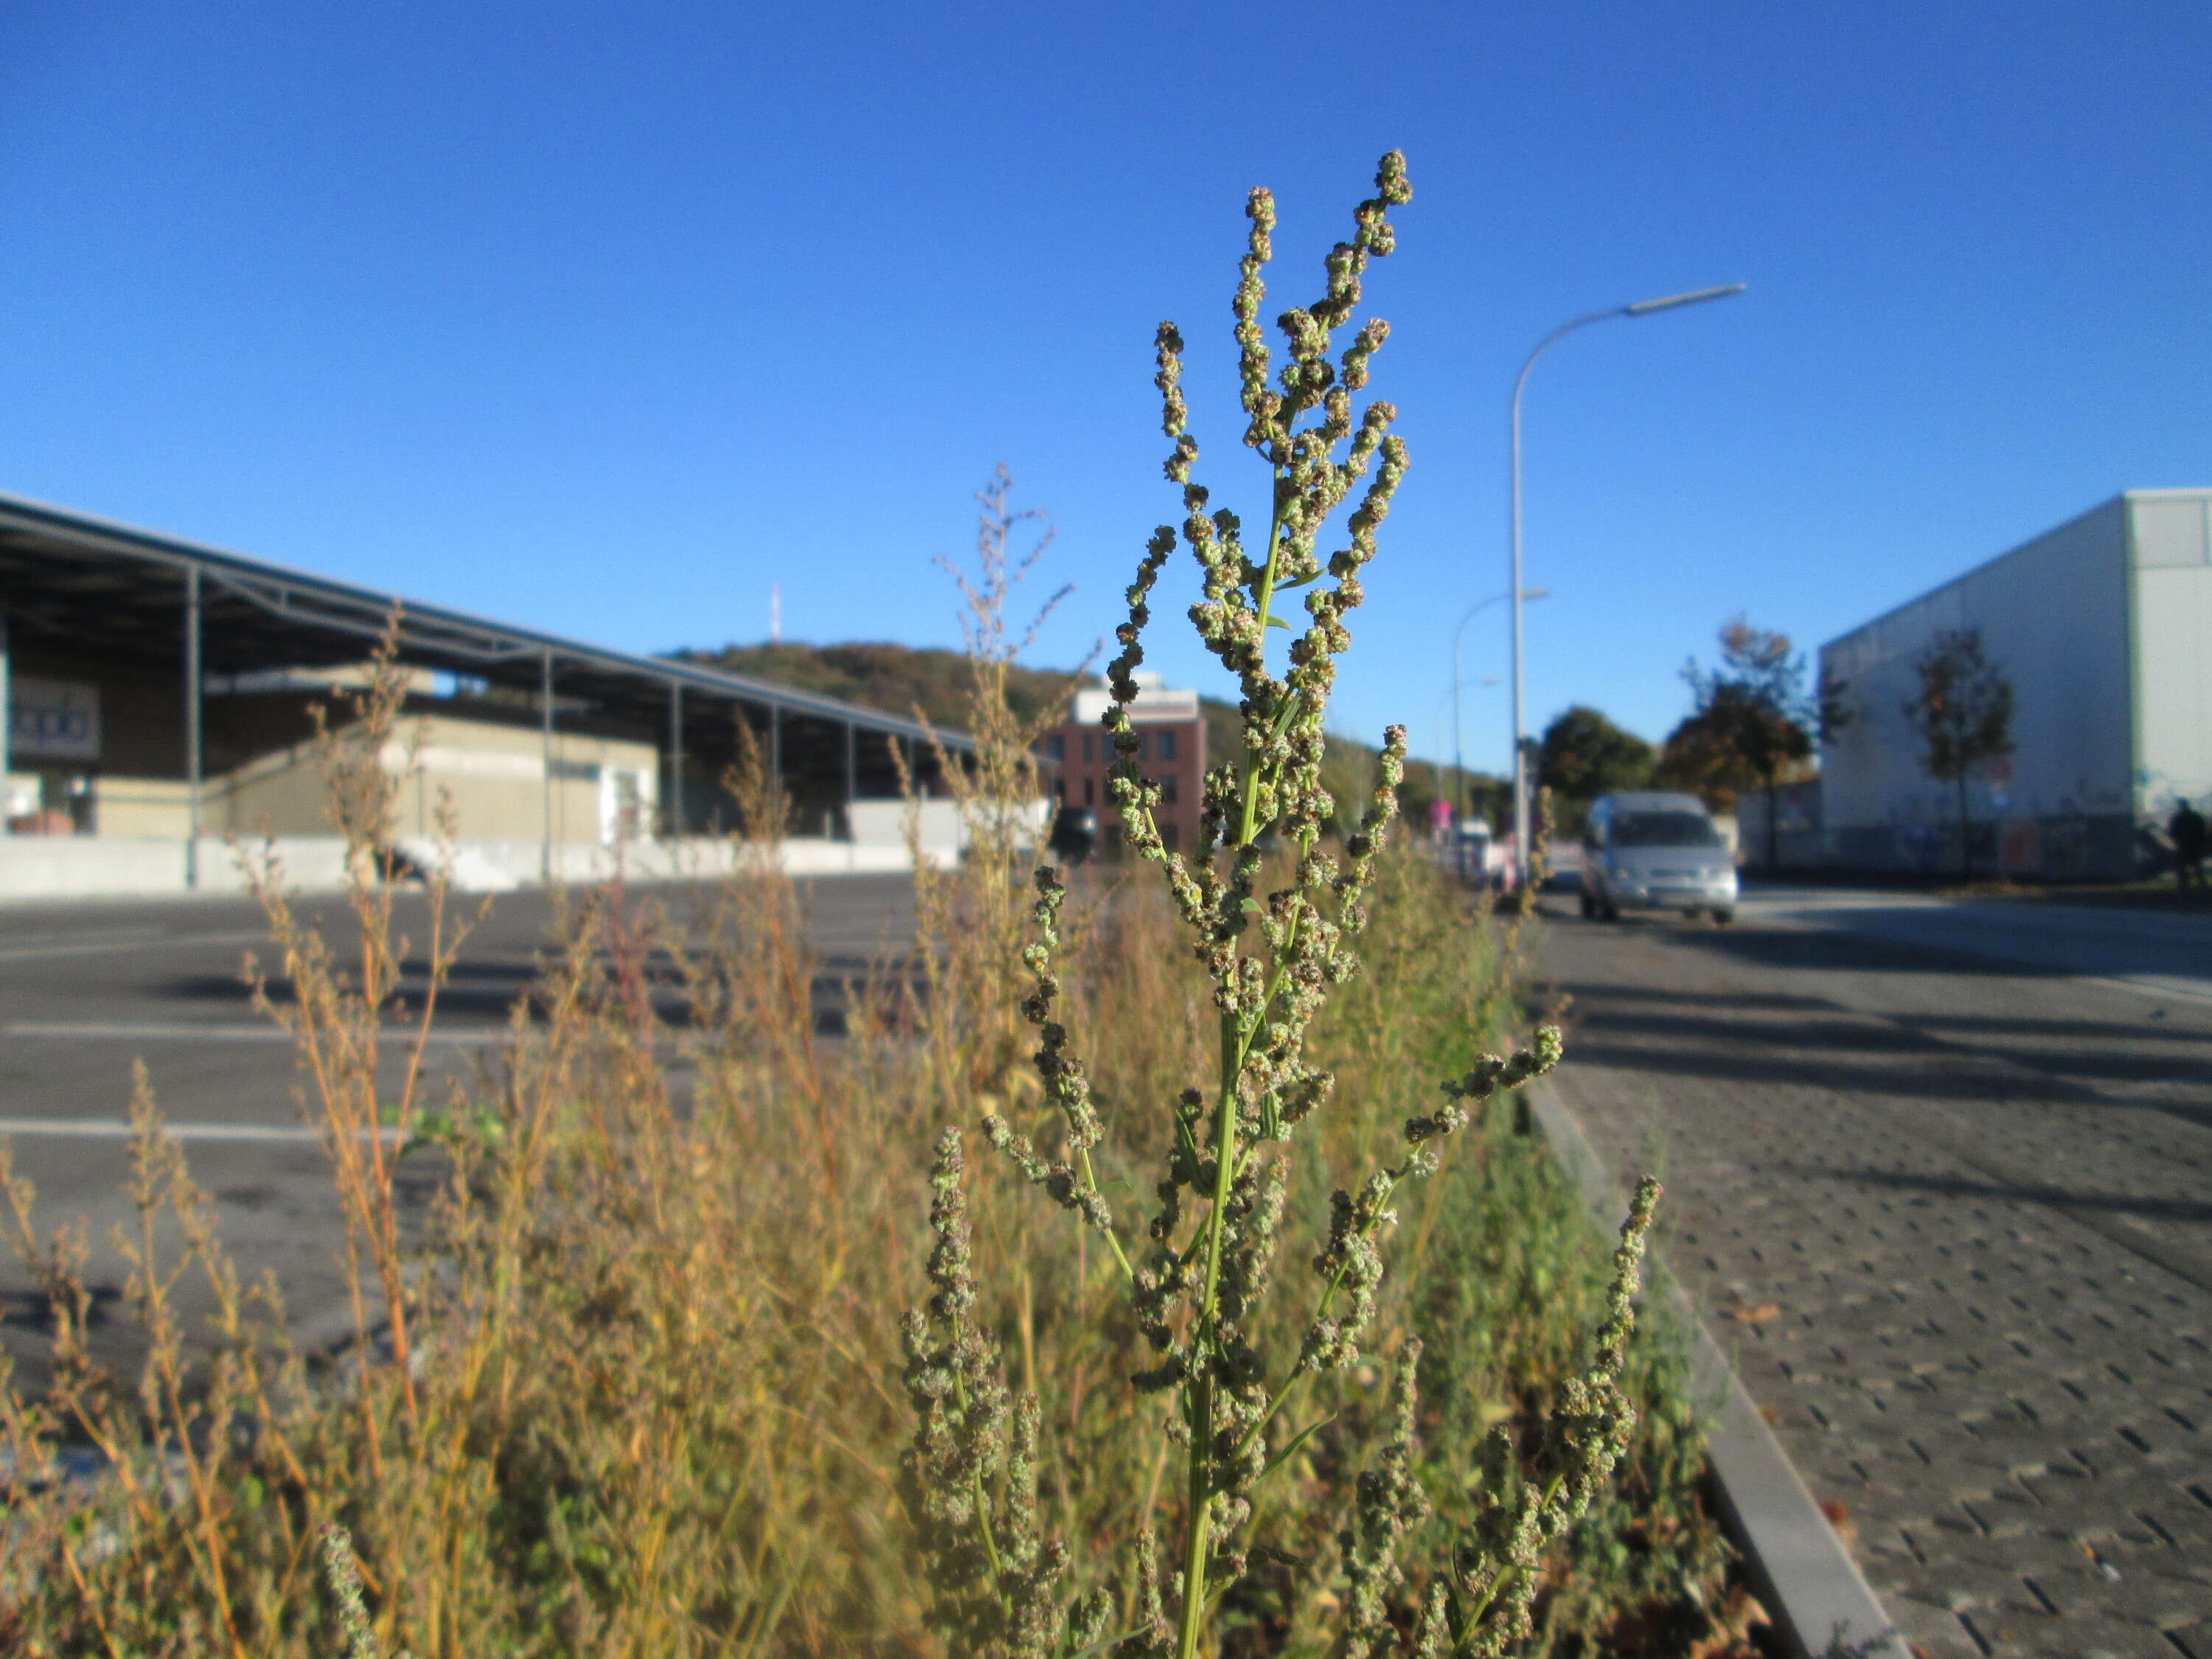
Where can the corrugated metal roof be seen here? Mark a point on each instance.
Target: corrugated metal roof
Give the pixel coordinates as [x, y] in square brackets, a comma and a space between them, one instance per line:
[91, 579]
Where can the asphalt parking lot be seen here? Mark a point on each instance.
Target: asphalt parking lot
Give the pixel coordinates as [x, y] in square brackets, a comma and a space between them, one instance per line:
[88, 989]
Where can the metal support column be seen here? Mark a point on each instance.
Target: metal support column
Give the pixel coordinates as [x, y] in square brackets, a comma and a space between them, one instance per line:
[546, 714]
[852, 775]
[194, 689]
[675, 762]
[3, 713]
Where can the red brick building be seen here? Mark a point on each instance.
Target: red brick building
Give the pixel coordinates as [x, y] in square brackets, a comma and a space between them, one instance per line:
[1171, 751]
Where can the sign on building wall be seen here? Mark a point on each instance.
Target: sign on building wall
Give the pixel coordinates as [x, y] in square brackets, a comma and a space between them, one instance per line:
[52, 720]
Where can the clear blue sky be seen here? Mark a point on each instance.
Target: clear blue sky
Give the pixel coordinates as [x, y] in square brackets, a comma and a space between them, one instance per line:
[602, 318]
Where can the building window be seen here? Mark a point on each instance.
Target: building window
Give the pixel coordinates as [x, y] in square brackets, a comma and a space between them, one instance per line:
[1090, 792]
[1144, 745]
[1167, 746]
[1055, 747]
[1090, 745]
[1171, 837]
[1167, 791]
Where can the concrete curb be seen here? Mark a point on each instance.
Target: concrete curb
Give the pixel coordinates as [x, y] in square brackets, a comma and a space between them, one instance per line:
[1799, 1568]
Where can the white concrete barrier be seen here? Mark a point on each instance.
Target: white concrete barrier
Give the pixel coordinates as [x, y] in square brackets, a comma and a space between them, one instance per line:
[47, 868]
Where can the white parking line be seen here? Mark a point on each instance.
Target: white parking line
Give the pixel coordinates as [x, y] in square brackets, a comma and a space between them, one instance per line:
[143, 942]
[130, 1032]
[114, 1129]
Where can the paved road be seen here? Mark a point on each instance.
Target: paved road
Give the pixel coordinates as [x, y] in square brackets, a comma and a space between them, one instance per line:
[87, 989]
[1942, 1174]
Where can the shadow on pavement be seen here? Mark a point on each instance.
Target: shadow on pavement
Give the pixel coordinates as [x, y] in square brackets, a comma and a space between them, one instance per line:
[2163, 1209]
[488, 991]
[1840, 951]
[2124, 1030]
[1690, 1034]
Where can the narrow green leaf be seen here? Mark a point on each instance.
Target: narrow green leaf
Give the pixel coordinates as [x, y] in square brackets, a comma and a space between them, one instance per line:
[1274, 621]
[1291, 1450]
[1104, 1643]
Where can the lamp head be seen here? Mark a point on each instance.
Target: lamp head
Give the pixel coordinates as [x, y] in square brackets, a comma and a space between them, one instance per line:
[1670, 302]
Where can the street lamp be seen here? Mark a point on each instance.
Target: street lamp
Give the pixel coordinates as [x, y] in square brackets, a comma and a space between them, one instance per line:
[1639, 308]
[1459, 772]
[1451, 690]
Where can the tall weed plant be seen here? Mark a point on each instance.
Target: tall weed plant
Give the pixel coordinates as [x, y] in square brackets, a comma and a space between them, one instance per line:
[633, 1382]
[1274, 938]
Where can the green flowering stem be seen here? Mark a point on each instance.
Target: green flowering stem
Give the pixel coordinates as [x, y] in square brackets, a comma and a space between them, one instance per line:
[981, 1496]
[1505, 1574]
[1246, 828]
[342, 1584]
[1282, 1395]
[1113, 1239]
[1199, 1474]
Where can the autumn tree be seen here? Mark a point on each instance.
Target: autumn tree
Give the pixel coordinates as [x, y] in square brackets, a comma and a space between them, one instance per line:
[1963, 717]
[1754, 722]
[1699, 757]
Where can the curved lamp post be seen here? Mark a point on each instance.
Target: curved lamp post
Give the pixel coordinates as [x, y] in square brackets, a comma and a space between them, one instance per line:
[1639, 308]
[1459, 772]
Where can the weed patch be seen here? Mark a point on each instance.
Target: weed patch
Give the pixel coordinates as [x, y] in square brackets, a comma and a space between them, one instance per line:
[641, 1385]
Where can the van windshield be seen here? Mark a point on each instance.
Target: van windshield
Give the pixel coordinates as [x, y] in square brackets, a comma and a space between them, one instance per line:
[1663, 829]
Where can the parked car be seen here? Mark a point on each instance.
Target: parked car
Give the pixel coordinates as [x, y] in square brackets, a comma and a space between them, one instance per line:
[1649, 851]
[1074, 835]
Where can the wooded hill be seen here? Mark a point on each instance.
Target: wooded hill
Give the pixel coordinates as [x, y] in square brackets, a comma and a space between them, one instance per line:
[899, 679]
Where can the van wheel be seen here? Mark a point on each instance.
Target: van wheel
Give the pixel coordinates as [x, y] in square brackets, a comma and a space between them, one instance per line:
[1589, 907]
[1723, 916]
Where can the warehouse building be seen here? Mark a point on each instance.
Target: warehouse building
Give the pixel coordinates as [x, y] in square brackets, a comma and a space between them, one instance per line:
[157, 698]
[2103, 627]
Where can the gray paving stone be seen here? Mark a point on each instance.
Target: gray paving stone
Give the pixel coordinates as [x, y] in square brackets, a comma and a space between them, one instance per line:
[1970, 1197]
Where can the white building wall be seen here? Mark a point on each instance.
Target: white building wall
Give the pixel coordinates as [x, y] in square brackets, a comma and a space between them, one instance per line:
[2054, 617]
[2171, 554]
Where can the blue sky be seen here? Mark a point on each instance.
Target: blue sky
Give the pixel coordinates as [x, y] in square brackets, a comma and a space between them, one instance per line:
[603, 318]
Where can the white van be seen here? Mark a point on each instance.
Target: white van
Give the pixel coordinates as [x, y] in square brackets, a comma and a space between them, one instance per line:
[1648, 851]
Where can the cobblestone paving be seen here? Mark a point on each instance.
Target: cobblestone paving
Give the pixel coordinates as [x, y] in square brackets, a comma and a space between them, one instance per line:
[1956, 1223]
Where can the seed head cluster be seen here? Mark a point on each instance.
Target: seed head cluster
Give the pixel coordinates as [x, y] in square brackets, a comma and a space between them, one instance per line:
[1387, 1504]
[970, 1479]
[1483, 1597]
[1067, 1179]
